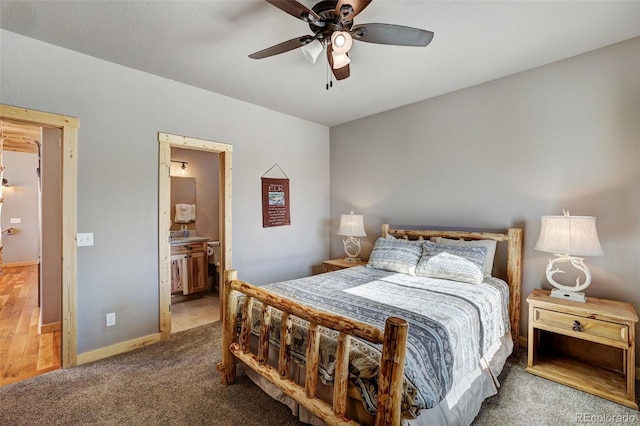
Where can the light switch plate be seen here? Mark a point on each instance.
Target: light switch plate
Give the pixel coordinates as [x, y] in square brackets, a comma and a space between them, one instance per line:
[111, 319]
[85, 239]
[16, 220]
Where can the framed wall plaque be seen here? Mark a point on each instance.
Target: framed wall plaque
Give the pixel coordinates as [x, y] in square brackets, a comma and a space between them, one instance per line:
[275, 201]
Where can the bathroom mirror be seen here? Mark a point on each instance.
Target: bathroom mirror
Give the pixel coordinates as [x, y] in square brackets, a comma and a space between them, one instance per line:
[183, 191]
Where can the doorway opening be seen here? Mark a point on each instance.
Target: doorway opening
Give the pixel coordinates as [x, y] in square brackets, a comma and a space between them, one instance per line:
[186, 243]
[31, 259]
[63, 130]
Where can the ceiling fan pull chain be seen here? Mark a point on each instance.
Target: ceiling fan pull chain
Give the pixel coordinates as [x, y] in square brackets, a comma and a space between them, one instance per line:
[329, 76]
[329, 82]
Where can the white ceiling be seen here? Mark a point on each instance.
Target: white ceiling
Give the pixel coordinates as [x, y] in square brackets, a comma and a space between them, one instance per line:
[206, 43]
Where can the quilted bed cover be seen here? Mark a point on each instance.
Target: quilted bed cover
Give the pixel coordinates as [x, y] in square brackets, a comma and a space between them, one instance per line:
[451, 325]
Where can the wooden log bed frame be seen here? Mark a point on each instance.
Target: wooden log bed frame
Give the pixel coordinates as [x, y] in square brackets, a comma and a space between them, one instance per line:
[235, 345]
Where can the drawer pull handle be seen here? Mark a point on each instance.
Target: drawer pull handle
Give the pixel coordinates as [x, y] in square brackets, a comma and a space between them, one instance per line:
[577, 326]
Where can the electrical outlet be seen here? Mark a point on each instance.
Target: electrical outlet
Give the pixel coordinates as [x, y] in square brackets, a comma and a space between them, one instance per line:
[85, 239]
[16, 220]
[111, 319]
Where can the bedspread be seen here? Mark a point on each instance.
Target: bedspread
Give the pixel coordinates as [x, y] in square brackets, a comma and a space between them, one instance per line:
[451, 324]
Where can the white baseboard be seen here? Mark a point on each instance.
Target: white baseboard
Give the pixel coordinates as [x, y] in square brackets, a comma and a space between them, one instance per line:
[118, 348]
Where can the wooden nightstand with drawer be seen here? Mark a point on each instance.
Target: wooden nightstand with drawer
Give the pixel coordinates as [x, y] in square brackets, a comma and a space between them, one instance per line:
[589, 346]
[337, 264]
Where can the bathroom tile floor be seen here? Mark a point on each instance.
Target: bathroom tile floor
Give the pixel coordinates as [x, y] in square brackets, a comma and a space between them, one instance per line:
[194, 313]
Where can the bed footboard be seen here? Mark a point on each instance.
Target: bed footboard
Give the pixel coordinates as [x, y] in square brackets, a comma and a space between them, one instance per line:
[235, 346]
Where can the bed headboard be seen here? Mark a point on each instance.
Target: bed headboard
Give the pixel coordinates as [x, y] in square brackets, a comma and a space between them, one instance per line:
[513, 238]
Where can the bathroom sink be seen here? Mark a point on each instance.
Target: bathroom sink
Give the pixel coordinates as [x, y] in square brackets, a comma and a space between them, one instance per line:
[183, 240]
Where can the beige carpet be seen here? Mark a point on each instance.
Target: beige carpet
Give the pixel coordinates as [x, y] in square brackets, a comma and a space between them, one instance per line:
[169, 383]
[175, 383]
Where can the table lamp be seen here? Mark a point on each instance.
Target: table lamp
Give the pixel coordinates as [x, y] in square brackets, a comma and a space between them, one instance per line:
[351, 226]
[568, 237]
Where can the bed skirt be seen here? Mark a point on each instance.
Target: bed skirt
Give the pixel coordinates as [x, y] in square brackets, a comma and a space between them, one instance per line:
[460, 406]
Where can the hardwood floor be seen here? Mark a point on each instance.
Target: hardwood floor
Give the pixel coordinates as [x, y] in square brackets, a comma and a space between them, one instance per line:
[193, 313]
[23, 352]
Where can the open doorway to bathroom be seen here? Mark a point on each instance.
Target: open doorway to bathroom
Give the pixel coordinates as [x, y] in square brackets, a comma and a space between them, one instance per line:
[194, 230]
[194, 238]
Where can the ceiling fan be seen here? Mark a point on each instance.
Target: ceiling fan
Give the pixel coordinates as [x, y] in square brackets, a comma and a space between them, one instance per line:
[332, 25]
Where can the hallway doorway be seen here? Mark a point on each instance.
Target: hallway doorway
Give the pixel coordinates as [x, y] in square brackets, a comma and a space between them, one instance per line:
[63, 334]
[31, 279]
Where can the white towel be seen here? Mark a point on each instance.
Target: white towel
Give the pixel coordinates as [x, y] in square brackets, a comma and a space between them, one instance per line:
[192, 207]
[184, 213]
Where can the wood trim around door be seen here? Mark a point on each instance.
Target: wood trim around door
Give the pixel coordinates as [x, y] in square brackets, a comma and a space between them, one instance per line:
[69, 130]
[225, 151]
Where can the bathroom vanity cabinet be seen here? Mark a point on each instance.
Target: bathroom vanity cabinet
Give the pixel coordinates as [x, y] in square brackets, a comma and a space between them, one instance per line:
[188, 266]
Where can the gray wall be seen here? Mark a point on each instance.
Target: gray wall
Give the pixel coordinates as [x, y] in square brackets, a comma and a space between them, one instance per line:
[21, 201]
[121, 112]
[504, 153]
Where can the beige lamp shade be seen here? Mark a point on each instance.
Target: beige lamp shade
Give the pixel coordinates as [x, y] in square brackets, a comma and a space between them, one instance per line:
[351, 225]
[569, 235]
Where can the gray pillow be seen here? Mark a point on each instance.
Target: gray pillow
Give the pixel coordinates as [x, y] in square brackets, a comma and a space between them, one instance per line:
[395, 256]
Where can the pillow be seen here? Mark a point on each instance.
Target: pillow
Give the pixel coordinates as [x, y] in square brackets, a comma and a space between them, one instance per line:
[395, 256]
[451, 267]
[489, 244]
[420, 240]
[456, 263]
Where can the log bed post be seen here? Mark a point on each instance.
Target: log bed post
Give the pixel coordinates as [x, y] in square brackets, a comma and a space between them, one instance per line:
[514, 278]
[229, 332]
[391, 375]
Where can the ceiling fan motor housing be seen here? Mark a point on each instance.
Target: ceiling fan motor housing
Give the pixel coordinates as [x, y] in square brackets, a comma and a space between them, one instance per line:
[330, 21]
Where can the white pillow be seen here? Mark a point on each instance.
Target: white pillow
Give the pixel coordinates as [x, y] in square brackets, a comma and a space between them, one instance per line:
[420, 240]
[489, 244]
[451, 267]
[460, 263]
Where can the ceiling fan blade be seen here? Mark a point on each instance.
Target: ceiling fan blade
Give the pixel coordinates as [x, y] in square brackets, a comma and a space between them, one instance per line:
[296, 9]
[285, 46]
[340, 73]
[357, 6]
[391, 34]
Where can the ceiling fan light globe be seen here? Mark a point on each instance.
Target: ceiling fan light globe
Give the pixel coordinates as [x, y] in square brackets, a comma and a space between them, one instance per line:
[341, 42]
[340, 60]
[312, 50]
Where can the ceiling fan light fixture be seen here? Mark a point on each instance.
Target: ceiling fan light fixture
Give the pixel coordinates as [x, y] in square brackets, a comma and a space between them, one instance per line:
[341, 42]
[340, 60]
[312, 50]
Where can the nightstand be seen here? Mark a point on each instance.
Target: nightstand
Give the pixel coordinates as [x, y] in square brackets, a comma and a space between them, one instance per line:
[337, 264]
[589, 346]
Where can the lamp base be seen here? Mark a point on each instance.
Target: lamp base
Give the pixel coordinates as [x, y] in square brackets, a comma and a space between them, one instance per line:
[575, 296]
[352, 259]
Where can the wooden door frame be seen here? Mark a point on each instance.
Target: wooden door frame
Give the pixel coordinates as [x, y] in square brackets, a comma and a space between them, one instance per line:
[225, 151]
[69, 164]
